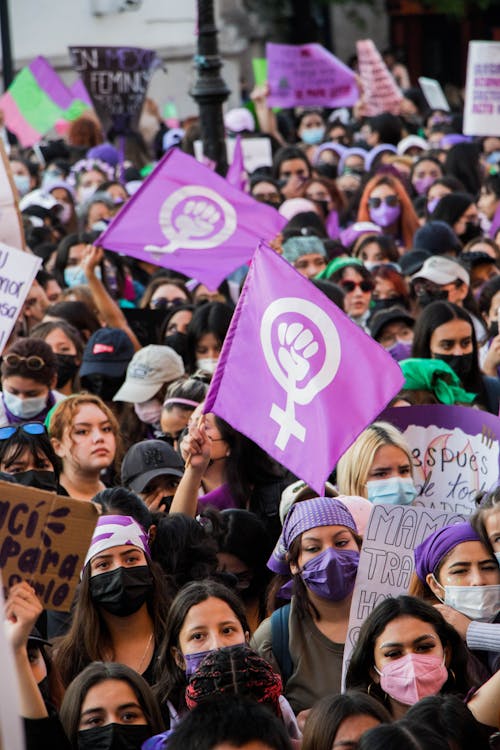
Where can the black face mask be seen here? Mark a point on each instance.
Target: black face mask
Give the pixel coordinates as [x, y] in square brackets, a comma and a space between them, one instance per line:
[493, 329]
[425, 298]
[42, 480]
[383, 304]
[461, 364]
[122, 591]
[101, 385]
[44, 689]
[472, 231]
[178, 342]
[113, 737]
[67, 368]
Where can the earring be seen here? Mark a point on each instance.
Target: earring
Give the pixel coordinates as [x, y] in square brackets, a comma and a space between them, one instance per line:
[452, 674]
[228, 453]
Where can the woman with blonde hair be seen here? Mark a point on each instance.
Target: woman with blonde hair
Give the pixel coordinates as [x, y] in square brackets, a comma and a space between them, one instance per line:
[386, 203]
[378, 466]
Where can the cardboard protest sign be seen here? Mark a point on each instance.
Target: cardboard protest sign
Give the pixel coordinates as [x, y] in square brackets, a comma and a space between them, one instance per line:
[455, 453]
[308, 75]
[17, 271]
[11, 729]
[380, 91]
[190, 219]
[309, 362]
[11, 227]
[482, 89]
[386, 561]
[116, 79]
[43, 540]
[434, 94]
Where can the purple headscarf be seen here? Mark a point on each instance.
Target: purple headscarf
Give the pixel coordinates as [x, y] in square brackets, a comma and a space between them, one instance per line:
[115, 531]
[330, 146]
[429, 554]
[305, 515]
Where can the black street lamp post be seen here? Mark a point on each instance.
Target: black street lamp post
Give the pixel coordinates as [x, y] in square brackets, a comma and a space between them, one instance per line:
[8, 71]
[210, 90]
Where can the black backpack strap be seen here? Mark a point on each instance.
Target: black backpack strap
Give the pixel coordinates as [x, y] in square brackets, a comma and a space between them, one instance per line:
[280, 641]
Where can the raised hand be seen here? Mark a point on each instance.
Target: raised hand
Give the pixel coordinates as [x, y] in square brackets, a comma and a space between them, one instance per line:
[22, 610]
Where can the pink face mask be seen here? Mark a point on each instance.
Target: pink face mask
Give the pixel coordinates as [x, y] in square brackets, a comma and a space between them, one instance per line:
[413, 677]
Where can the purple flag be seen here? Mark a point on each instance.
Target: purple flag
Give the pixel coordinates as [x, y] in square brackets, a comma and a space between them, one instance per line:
[308, 75]
[236, 175]
[188, 218]
[295, 374]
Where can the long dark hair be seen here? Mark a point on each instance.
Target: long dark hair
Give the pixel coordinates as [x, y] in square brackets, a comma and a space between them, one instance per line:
[362, 659]
[211, 317]
[170, 678]
[38, 445]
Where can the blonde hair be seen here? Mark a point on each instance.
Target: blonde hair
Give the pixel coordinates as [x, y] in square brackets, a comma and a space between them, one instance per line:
[354, 466]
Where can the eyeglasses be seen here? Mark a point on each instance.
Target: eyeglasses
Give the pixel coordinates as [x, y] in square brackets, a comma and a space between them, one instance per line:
[30, 428]
[389, 200]
[349, 286]
[33, 362]
[162, 303]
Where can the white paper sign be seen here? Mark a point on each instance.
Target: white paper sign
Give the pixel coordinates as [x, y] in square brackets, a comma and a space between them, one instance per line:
[256, 152]
[17, 271]
[434, 94]
[482, 89]
[11, 228]
[386, 560]
[11, 729]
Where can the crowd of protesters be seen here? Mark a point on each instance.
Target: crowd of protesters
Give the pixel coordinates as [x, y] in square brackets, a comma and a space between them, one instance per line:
[214, 602]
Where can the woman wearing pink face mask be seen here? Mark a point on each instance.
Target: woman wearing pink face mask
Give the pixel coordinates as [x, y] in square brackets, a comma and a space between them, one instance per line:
[407, 651]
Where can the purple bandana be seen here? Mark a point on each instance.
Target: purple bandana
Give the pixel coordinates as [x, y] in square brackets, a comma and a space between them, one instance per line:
[429, 554]
[305, 515]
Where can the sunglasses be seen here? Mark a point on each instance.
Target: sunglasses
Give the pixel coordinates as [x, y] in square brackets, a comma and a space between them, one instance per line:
[389, 200]
[349, 286]
[30, 428]
[162, 303]
[32, 362]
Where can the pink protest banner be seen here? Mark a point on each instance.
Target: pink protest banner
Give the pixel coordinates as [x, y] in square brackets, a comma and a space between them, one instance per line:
[482, 89]
[380, 91]
[308, 75]
[295, 374]
[188, 218]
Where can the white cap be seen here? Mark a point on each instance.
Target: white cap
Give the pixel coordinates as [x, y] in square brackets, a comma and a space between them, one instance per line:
[441, 270]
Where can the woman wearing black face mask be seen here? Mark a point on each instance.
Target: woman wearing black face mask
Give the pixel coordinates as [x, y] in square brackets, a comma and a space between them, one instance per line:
[27, 456]
[121, 606]
[459, 210]
[67, 345]
[445, 331]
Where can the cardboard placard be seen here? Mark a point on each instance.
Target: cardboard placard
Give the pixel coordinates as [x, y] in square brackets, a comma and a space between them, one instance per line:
[43, 540]
[17, 271]
[482, 89]
[455, 453]
[11, 226]
[386, 561]
[434, 94]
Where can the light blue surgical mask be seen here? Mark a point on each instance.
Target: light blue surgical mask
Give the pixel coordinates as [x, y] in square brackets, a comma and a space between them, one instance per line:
[313, 136]
[22, 183]
[75, 275]
[24, 408]
[392, 491]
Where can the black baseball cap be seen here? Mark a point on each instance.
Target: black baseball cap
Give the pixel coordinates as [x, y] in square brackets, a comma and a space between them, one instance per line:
[149, 459]
[108, 352]
[390, 315]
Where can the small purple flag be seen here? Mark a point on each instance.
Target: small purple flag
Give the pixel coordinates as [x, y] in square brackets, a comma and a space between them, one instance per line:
[236, 175]
[188, 218]
[295, 374]
[308, 75]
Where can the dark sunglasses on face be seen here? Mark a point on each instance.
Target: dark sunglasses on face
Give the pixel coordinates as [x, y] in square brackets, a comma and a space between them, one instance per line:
[389, 200]
[162, 303]
[349, 286]
[32, 363]
[30, 428]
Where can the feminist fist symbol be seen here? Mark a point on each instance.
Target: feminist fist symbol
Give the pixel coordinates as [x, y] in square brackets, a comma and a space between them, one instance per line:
[198, 219]
[294, 360]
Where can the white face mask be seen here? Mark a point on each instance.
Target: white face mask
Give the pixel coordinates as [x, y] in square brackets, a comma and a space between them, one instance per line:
[149, 412]
[22, 183]
[476, 602]
[85, 192]
[208, 364]
[24, 408]
[65, 213]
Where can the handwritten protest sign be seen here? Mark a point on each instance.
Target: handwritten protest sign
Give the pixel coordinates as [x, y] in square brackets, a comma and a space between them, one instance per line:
[308, 75]
[386, 560]
[17, 271]
[380, 91]
[11, 228]
[482, 89]
[43, 540]
[116, 79]
[455, 453]
[434, 94]
[11, 730]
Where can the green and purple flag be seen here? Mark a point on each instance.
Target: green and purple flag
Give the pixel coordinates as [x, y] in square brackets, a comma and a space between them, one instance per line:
[36, 100]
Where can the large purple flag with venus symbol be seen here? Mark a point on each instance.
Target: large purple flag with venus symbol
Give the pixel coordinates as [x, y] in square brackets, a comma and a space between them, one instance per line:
[190, 219]
[295, 374]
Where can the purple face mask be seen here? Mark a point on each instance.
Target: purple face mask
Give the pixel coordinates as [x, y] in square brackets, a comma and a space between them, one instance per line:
[400, 351]
[332, 574]
[193, 661]
[421, 184]
[431, 205]
[384, 215]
